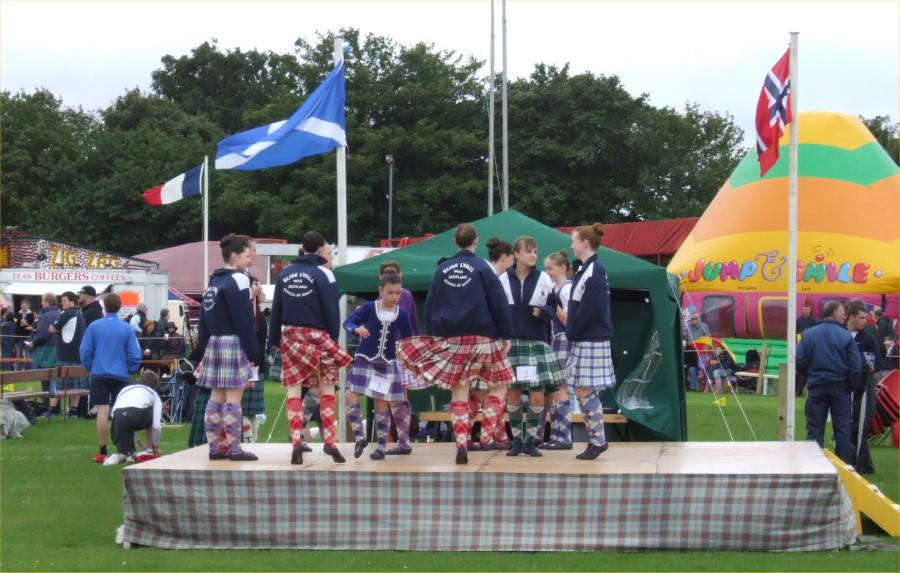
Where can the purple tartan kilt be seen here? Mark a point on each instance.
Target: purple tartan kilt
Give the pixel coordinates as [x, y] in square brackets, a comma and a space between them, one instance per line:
[364, 370]
[224, 364]
[590, 366]
[561, 348]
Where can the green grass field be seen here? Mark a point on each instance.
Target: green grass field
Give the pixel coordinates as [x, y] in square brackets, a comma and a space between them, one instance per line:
[59, 512]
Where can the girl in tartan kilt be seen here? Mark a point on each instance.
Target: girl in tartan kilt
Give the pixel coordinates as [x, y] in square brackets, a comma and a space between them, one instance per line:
[229, 344]
[467, 313]
[557, 266]
[305, 325]
[589, 328]
[529, 293]
[500, 255]
[380, 324]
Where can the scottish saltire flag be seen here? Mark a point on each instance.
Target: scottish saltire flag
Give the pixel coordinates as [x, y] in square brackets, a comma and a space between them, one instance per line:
[773, 112]
[185, 185]
[317, 127]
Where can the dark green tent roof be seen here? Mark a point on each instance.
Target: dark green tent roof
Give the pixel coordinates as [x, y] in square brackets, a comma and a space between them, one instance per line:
[419, 261]
[650, 392]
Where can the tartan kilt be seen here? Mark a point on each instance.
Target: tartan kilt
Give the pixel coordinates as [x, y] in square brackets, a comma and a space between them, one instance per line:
[561, 347]
[447, 362]
[74, 382]
[198, 424]
[310, 357]
[253, 400]
[275, 367]
[224, 364]
[590, 365]
[364, 369]
[550, 376]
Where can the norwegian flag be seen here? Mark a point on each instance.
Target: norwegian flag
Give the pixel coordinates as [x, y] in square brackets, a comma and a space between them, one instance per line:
[773, 112]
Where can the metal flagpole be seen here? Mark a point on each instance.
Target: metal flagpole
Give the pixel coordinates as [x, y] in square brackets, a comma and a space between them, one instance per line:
[491, 124]
[792, 246]
[205, 222]
[505, 122]
[342, 248]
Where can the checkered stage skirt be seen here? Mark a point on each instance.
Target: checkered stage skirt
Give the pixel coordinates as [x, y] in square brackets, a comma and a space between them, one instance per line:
[72, 382]
[380, 379]
[224, 364]
[446, 362]
[537, 353]
[590, 365]
[310, 357]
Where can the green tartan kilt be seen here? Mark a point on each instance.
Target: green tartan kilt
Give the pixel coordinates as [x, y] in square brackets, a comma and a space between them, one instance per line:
[253, 401]
[550, 375]
[198, 429]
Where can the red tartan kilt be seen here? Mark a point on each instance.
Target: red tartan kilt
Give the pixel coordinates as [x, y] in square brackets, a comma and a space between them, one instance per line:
[310, 357]
[446, 362]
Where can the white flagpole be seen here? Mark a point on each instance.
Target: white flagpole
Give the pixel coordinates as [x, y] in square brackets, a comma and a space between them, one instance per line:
[505, 198]
[205, 222]
[792, 245]
[342, 248]
[491, 124]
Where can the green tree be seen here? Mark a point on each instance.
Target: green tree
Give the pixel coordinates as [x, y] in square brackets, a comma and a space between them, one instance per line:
[44, 152]
[886, 133]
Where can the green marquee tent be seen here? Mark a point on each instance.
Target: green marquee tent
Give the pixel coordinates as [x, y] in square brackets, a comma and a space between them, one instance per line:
[647, 340]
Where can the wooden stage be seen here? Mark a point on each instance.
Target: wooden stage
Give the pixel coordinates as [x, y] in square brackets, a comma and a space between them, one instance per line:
[688, 495]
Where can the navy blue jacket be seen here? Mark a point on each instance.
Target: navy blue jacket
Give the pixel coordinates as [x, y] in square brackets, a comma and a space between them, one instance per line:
[110, 349]
[466, 298]
[535, 292]
[589, 309]
[42, 336]
[385, 329]
[827, 354]
[70, 326]
[227, 311]
[306, 294]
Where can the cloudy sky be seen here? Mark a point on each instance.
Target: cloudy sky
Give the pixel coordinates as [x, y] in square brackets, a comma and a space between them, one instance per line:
[711, 53]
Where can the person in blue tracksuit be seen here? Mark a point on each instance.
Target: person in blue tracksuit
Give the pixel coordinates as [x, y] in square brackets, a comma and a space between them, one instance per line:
[230, 348]
[589, 329]
[110, 351]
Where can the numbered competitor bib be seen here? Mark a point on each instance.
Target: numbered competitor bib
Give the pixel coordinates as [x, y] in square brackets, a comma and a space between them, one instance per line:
[526, 374]
[380, 384]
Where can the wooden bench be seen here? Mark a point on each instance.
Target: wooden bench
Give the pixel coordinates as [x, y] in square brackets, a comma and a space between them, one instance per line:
[576, 418]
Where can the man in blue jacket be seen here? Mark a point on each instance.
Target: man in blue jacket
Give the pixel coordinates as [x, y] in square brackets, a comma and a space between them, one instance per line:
[828, 356]
[110, 351]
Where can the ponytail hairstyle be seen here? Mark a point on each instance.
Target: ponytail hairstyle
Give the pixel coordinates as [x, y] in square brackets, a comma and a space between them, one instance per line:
[561, 259]
[497, 248]
[312, 242]
[232, 244]
[465, 235]
[593, 234]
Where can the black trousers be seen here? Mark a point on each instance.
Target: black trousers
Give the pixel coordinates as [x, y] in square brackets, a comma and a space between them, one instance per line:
[864, 398]
[126, 422]
[834, 397]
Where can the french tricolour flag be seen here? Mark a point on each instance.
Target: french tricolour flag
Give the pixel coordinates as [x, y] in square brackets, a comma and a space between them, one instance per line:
[185, 185]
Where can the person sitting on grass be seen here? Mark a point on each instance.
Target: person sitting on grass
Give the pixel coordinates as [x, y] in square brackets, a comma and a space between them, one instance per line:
[138, 407]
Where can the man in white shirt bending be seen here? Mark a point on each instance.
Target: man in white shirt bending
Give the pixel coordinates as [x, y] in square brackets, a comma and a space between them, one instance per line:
[137, 408]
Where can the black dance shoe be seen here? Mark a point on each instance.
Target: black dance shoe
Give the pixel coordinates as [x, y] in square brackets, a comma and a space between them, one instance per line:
[243, 456]
[515, 450]
[218, 456]
[462, 456]
[359, 448]
[592, 452]
[531, 450]
[554, 446]
[334, 453]
[377, 455]
[399, 451]
[297, 455]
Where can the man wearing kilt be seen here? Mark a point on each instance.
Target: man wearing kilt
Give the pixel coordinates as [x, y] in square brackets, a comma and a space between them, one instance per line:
[228, 340]
[529, 293]
[557, 266]
[70, 328]
[589, 327]
[380, 324]
[466, 312]
[306, 304]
